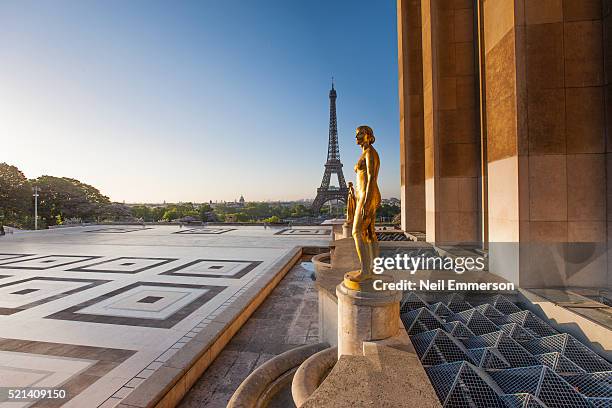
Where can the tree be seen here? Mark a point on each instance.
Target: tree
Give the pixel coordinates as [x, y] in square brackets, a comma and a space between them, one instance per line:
[204, 211]
[142, 211]
[273, 219]
[115, 212]
[387, 212]
[171, 214]
[15, 195]
[69, 198]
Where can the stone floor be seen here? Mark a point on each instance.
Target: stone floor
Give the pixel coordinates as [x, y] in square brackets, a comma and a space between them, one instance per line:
[288, 318]
[96, 310]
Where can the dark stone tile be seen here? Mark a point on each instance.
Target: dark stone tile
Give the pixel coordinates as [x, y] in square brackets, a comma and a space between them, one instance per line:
[583, 53]
[544, 56]
[546, 112]
[585, 122]
[576, 10]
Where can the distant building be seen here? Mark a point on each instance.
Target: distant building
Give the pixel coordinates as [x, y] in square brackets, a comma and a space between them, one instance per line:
[241, 201]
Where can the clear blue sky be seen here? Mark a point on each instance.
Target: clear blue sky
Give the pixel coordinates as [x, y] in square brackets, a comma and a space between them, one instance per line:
[196, 101]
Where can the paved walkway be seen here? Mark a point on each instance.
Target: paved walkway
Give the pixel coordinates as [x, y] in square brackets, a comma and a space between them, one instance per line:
[287, 319]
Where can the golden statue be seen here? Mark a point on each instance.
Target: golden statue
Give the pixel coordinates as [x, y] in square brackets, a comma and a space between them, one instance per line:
[350, 204]
[368, 200]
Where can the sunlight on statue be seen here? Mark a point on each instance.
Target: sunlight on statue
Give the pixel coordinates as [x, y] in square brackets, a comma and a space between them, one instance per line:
[368, 200]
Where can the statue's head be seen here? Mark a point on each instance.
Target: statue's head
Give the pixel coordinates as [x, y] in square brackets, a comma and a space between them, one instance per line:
[364, 135]
[350, 184]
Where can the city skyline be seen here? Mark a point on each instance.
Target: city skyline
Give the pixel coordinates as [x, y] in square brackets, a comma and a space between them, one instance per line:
[196, 101]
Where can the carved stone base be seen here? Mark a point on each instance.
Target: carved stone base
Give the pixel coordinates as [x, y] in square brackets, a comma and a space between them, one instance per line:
[365, 315]
[347, 230]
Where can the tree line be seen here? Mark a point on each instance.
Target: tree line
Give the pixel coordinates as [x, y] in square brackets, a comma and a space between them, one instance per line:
[64, 200]
[59, 199]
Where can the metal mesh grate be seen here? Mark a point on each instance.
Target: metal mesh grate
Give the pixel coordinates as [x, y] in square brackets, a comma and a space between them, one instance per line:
[420, 320]
[541, 382]
[456, 303]
[459, 330]
[517, 332]
[487, 352]
[559, 363]
[592, 384]
[489, 311]
[533, 324]
[522, 401]
[440, 309]
[489, 358]
[572, 349]
[411, 301]
[475, 321]
[441, 348]
[463, 385]
[601, 402]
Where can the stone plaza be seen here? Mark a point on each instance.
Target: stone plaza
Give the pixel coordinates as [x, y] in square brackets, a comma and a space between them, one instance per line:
[100, 309]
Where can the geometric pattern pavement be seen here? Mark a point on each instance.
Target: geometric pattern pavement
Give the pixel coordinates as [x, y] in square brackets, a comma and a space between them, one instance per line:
[123, 264]
[126, 305]
[26, 363]
[115, 230]
[146, 304]
[4, 257]
[304, 232]
[31, 292]
[46, 262]
[214, 268]
[205, 231]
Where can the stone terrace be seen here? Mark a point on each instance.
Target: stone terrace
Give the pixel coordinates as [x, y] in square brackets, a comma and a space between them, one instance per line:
[97, 310]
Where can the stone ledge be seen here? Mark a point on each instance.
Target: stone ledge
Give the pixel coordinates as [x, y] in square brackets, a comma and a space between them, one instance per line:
[311, 374]
[167, 385]
[388, 375]
[258, 384]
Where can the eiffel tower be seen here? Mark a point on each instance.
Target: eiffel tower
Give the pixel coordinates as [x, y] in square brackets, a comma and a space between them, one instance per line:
[326, 193]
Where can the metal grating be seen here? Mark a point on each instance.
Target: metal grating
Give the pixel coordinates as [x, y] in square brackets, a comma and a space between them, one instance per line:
[475, 321]
[601, 402]
[488, 352]
[522, 401]
[541, 382]
[420, 320]
[440, 309]
[438, 347]
[559, 363]
[597, 385]
[571, 348]
[461, 384]
[411, 301]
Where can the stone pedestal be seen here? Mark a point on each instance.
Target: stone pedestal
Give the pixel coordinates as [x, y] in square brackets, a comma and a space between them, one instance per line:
[365, 315]
[347, 230]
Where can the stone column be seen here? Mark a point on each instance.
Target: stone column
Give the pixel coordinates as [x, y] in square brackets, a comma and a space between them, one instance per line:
[365, 315]
[412, 159]
[451, 136]
[546, 141]
[607, 46]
